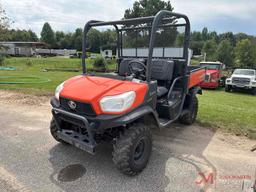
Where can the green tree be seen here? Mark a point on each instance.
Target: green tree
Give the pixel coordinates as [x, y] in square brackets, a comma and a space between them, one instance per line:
[93, 40]
[196, 42]
[143, 8]
[59, 37]
[245, 53]
[4, 24]
[47, 35]
[67, 42]
[214, 36]
[205, 34]
[108, 37]
[77, 39]
[180, 40]
[241, 36]
[22, 35]
[210, 49]
[225, 53]
[230, 37]
[32, 35]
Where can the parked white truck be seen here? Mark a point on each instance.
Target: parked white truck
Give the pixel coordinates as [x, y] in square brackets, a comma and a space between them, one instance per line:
[242, 79]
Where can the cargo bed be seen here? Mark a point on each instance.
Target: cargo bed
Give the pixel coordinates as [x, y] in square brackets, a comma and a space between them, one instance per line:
[196, 75]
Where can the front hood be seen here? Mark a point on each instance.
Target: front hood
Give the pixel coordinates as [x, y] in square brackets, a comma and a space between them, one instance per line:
[90, 89]
[211, 71]
[243, 76]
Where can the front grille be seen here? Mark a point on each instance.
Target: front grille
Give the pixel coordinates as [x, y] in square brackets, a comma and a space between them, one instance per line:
[241, 81]
[80, 109]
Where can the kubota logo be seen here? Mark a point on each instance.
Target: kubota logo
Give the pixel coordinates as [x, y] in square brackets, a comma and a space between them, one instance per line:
[72, 104]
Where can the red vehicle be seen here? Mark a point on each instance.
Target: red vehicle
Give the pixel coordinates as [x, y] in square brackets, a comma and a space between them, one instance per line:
[120, 108]
[213, 77]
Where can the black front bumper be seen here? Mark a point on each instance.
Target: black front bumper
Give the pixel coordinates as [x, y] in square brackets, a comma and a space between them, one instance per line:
[86, 141]
[93, 125]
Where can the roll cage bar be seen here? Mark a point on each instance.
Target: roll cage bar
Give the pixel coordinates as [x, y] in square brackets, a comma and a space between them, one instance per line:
[156, 21]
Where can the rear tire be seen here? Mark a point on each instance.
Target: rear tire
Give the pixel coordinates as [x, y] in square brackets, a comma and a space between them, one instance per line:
[190, 116]
[132, 149]
[54, 130]
[254, 91]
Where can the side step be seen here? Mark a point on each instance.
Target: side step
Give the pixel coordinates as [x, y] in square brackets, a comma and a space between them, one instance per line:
[164, 122]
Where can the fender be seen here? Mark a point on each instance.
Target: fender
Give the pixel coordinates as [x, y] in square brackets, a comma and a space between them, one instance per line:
[196, 90]
[109, 121]
[191, 93]
[136, 114]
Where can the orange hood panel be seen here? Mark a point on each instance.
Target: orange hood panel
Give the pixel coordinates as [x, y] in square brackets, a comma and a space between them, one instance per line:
[91, 89]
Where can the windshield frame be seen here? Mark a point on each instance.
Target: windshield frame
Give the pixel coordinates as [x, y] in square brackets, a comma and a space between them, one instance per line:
[207, 65]
[238, 72]
[161, 18]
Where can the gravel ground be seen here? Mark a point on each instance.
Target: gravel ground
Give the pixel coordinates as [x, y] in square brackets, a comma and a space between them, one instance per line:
[30, 160]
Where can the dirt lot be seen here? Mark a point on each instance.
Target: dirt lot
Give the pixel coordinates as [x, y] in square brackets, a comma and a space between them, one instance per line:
[184, 158]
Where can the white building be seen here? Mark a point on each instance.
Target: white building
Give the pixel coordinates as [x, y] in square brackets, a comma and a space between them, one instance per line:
[106, 53]
[19, 48]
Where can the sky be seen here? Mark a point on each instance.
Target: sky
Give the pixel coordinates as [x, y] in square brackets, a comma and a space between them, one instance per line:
[65, 15]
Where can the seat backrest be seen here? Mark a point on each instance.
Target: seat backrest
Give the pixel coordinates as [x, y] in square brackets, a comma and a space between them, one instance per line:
[123, 69]
[162, 70]
[124, 66]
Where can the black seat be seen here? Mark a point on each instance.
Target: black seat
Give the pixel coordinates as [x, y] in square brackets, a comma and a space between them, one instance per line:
[124, 66]
[161, 91]
[162, 71]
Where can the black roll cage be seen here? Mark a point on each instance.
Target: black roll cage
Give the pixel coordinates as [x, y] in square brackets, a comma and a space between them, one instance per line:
[159, 20]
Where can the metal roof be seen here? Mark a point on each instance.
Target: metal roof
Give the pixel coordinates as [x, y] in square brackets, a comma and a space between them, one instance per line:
[211, 62]
[22, 42]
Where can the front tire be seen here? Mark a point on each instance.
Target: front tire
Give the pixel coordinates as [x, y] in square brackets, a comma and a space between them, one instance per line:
[54, 130]
[190, 116]
[227, 88]
[254, 91]
[132, 149]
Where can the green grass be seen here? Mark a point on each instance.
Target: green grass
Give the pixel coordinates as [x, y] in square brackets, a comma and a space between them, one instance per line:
[34, 67]
[233, 112]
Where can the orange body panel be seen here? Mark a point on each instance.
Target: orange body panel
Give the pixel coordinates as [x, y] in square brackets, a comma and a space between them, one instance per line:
[196, 78]
[91, 89]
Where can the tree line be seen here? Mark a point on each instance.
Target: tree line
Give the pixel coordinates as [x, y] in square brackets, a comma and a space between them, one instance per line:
[235, 50]
[229, 48]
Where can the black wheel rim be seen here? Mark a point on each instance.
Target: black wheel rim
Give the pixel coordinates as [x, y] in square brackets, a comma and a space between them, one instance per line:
[140, 150]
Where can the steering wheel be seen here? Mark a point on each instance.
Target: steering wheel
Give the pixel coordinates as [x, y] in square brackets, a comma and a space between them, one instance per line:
[138, 69]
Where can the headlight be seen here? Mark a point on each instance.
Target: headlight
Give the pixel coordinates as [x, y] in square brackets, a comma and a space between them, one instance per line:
[228, 80]
[254, 83]
[58, 90]
[117, 103]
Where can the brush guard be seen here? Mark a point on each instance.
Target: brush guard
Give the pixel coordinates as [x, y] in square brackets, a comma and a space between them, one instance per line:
[83, 138]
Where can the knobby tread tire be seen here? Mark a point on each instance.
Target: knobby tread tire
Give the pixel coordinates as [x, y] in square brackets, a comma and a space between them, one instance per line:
[53, 130]
[227, 88]
[124, 146]
[190, 117]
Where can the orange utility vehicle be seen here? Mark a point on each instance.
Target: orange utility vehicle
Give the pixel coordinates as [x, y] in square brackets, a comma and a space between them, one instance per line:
[120, 108]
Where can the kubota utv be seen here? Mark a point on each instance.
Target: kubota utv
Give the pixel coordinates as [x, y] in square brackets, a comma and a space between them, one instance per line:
[151, 88]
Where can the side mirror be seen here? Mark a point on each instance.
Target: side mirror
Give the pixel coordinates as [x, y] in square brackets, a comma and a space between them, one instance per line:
[223, 66]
